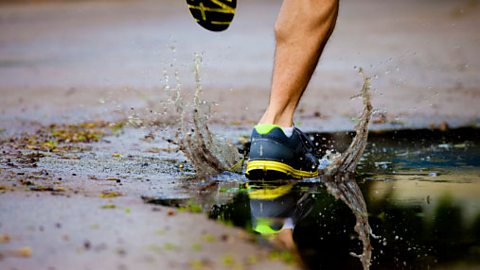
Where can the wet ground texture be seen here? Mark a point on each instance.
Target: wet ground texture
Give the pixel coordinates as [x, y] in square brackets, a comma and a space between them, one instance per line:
[69, 185]
[70, 200]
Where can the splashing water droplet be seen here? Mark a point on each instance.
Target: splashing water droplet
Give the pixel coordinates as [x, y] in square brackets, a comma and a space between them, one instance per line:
[208, 153]
[341, 183]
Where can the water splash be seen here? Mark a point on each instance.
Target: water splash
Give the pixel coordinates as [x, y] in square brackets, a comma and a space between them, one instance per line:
[340, 181]
[208, 153]
[211, 155]
[347, 162]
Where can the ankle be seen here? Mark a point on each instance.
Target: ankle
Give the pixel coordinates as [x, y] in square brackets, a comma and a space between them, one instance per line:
[282, 119]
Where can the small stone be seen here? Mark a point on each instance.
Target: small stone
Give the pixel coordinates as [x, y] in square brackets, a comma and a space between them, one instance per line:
[224, 237]
[171, 212]
[87, 245]
[23, 252]
[4, 238]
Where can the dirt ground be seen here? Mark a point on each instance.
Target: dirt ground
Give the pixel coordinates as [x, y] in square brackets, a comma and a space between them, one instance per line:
[83, 61]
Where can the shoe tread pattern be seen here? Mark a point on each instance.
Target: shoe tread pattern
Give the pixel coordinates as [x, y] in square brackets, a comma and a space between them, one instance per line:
[213, 15]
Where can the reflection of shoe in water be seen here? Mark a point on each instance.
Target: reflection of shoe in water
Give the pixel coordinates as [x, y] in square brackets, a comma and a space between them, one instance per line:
[213, 15]
[276, 206]
[273, 155]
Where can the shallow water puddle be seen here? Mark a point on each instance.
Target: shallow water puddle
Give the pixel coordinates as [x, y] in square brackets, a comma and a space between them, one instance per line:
[278, 211]
[211, 155]
[421, 190]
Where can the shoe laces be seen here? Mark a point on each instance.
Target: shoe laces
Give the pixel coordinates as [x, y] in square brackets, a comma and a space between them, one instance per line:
[306, 141]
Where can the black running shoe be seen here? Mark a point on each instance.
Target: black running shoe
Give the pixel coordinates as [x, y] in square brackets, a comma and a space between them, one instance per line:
[213, 15]
[273, 155]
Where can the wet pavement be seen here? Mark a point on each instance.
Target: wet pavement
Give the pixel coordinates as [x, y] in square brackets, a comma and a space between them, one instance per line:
[420, 186]
[79, 205]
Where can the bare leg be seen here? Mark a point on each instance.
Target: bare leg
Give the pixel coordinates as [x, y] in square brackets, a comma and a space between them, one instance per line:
[301, 32]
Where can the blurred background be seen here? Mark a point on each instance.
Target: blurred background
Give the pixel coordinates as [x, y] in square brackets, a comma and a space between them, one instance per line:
[87, 59]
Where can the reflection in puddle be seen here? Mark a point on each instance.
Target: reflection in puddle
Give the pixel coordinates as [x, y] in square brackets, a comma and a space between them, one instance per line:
[422, 200]
[211, 156]
[302, 217]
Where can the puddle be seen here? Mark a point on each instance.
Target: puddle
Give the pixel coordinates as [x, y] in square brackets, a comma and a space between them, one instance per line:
[211, 155]
[421, 190]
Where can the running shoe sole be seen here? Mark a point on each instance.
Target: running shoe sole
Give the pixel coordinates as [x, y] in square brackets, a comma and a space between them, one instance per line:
[271, 170]
[213, 15]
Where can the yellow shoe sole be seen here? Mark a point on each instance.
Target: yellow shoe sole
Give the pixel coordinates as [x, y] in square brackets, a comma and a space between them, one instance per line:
[267, 166]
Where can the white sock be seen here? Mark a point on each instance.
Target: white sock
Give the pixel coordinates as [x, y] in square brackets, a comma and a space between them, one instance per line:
[288, 131]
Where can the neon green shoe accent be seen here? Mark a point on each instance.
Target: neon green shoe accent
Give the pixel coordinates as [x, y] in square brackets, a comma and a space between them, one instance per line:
[265, 128]
[263, 227]
[270, 165]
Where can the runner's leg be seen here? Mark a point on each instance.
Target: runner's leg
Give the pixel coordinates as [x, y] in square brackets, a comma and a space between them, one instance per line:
[301, 32]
